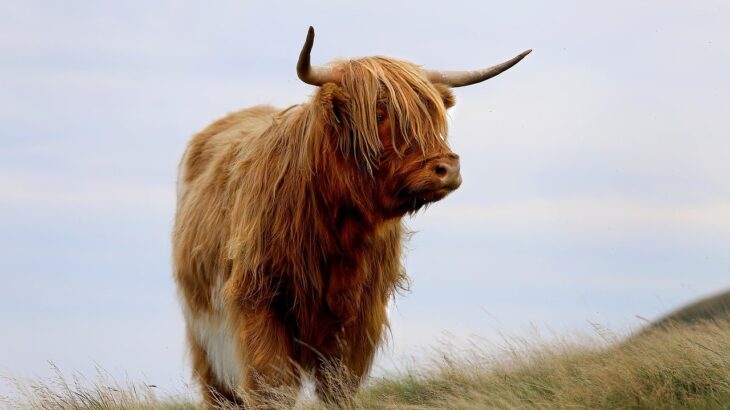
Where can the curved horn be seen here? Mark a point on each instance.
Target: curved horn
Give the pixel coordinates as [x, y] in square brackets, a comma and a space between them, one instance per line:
[314, 75]
[462, 78]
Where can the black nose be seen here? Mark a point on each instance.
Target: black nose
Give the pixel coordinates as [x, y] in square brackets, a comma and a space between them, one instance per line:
[447, 170]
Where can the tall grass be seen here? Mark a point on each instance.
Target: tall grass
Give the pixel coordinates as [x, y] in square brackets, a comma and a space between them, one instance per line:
[102, 391]
[676, 366]
[679, 367]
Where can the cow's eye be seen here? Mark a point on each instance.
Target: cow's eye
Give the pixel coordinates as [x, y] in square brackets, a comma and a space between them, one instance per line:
[380, 117]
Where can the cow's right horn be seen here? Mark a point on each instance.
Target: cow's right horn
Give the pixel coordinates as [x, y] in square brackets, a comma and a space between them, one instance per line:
[314, 75]
[462, 78]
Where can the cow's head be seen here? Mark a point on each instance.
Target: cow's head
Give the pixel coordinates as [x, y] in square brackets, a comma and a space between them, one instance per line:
[388, 118]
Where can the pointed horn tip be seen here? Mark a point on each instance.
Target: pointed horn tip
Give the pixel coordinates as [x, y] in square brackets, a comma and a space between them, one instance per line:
[313, 75]
[525, 53]
[310, 35]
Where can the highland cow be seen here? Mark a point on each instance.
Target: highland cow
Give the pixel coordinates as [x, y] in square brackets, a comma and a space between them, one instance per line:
[288, 234]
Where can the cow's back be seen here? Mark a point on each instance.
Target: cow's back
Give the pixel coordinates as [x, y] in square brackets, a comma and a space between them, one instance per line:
[221, 136]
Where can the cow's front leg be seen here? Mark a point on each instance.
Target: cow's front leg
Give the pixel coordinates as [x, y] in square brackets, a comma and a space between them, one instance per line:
[342, 363]
[335, 382]
[347, 354]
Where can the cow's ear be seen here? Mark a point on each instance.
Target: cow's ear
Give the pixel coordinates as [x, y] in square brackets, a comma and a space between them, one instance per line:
[335, 105]
[446, 95]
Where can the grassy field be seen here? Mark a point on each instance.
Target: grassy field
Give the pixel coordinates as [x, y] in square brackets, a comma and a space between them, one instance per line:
[679, 365]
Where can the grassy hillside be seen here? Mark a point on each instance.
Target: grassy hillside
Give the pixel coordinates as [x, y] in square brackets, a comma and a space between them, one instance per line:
[680, 367]
[676, 366]
[716, 307]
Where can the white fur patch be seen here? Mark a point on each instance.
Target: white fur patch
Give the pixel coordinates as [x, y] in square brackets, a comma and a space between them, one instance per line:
[215, 334]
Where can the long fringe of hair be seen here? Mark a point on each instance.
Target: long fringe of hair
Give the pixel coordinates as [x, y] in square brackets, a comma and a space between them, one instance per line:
[406, 95]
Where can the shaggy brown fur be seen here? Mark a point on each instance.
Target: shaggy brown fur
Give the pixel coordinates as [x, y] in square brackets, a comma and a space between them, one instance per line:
[288, 233]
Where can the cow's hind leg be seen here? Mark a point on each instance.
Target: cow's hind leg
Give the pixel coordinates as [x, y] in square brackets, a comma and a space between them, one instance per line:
[213, 393]
[271, 379]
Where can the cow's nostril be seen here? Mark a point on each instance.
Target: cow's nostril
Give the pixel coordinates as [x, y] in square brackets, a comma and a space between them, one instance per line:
[440, 170]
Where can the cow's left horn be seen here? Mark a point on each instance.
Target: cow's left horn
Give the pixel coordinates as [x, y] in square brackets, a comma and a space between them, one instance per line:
[462, 78]
[314, 75]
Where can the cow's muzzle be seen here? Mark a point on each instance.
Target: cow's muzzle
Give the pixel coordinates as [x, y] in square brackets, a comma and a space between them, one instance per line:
[447, 172]
[437, 178]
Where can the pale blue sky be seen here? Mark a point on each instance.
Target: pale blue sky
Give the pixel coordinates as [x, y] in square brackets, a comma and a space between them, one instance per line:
[595, 172]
